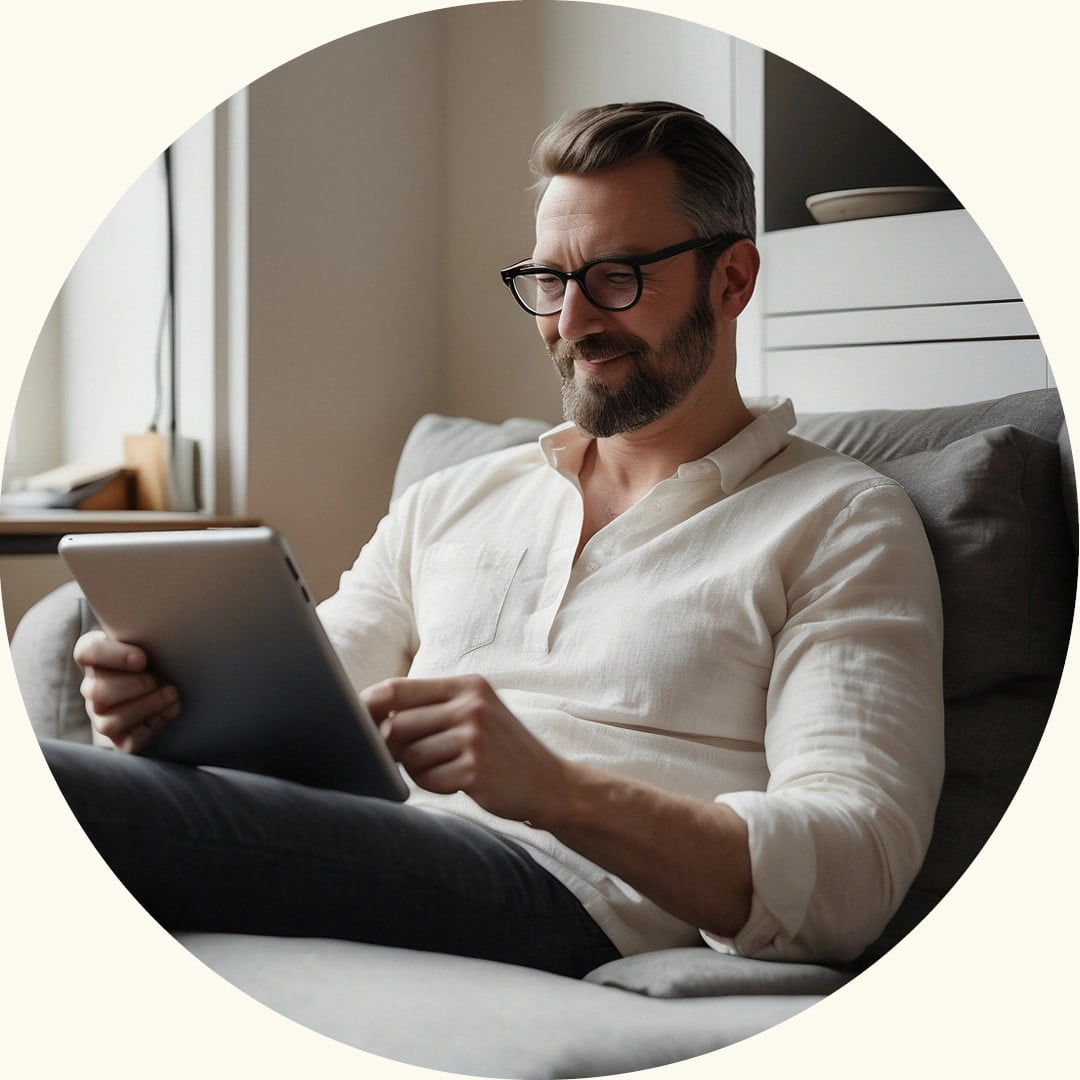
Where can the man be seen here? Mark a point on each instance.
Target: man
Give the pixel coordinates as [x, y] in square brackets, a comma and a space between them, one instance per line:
[672, 674]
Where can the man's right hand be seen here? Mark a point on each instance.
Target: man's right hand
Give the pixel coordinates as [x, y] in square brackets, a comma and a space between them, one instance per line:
[126, 702]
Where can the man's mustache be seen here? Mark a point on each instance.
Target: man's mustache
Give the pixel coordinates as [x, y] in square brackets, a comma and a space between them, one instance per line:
[594, 348]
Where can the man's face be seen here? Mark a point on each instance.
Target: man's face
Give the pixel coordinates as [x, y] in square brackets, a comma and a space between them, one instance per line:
[623, 370]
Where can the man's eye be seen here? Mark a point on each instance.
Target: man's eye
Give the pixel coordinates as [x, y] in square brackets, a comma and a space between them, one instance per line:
[548, 283]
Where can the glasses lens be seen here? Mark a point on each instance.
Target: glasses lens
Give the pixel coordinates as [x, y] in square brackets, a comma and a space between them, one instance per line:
[612, 285]
[541, 293]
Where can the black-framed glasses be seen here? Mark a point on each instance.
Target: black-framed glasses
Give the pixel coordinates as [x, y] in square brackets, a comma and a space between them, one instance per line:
[613, 283]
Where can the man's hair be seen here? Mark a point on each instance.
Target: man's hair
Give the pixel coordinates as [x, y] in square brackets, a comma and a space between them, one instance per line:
[714, 186]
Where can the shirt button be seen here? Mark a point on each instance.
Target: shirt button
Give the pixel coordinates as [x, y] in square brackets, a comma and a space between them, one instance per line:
[592, 566]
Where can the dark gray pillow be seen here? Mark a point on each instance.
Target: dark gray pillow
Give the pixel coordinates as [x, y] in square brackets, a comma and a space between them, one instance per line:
[994, 515]
[874, 435]
[1068, 483]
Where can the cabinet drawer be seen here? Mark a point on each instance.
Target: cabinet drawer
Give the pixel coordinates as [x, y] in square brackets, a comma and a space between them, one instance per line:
[891, 326]
[911, 259]
[904, 376]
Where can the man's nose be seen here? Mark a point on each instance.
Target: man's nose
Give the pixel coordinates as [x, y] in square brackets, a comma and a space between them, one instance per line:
[579, 316]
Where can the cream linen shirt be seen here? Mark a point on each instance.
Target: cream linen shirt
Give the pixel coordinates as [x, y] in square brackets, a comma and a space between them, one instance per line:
[762, 629]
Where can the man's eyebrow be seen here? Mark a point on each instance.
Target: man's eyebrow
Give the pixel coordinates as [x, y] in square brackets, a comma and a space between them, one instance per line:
[613, 255]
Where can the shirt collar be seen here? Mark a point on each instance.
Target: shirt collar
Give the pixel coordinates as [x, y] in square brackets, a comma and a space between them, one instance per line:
[764, 437]
[767, 434]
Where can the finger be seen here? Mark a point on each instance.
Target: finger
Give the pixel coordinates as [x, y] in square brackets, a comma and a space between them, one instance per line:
[395, 695]
[136, 739]
[96, 649]
[404, 727]
[105, 688]
[458, 774]
[425, 753]
[123, 719]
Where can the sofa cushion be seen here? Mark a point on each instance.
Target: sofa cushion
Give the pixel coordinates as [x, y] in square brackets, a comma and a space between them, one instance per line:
[48, 677]
[477, 1017]
[874, 435]
[704, 972]
[1068, 483]
[992, 507]
[437, 442]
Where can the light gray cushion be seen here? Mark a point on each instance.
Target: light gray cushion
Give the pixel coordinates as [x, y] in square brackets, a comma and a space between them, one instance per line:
[48, 677]
[437, 442]
[704, 972]
[477, 1017]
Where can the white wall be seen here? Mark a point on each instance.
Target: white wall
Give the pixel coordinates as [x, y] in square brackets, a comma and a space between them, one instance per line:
[38, 426]
[93, 375]
[109, 319]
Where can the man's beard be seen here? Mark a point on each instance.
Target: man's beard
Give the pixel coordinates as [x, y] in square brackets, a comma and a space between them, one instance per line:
[660, 379]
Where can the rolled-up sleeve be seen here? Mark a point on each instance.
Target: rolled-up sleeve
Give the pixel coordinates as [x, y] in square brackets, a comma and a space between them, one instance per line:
[853, 739]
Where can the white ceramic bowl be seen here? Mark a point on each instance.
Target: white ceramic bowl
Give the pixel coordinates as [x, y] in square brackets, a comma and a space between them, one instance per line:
[832, 206]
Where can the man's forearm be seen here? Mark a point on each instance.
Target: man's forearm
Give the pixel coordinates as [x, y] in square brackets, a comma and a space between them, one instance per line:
[690, 857]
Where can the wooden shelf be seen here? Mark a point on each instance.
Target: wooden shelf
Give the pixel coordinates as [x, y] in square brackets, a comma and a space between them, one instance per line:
[38, 532]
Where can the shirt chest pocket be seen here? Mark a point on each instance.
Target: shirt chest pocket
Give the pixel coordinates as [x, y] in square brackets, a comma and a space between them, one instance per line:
[461, 595]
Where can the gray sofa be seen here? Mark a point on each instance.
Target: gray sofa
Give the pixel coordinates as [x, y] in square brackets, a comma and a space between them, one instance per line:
[995, 485]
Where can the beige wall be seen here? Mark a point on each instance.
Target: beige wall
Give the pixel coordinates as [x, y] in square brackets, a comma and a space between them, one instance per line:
[511, 70]
[345, 309]
[495, 364]
[386, 185]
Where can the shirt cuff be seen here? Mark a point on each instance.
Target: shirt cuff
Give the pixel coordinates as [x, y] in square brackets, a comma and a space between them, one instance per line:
[784, 872]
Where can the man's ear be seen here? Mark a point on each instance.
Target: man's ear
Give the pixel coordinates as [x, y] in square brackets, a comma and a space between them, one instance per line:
[733, 279]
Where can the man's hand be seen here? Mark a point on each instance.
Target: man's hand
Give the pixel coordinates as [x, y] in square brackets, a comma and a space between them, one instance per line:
[126, 701]
[455, 734]
[692, 857]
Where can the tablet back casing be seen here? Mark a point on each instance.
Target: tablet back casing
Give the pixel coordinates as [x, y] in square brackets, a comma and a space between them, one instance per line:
[225, 616]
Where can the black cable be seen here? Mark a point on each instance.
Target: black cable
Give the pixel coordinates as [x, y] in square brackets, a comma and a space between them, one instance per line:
[171, 288]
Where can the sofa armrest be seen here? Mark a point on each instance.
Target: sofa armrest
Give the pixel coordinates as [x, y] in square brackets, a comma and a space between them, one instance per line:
[48, 677]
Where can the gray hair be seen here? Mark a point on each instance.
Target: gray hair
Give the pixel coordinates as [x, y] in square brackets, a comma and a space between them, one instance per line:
[715, 184]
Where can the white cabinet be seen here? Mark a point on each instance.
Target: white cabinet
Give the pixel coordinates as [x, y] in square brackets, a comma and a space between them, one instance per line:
[897, 312]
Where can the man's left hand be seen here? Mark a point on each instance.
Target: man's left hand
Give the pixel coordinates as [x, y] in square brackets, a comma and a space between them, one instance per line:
[455, 734]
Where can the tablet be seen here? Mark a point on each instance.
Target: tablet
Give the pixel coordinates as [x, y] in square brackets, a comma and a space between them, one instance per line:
[225, 616]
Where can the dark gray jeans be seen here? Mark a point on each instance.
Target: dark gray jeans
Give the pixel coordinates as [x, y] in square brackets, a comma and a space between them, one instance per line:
[217, 850]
